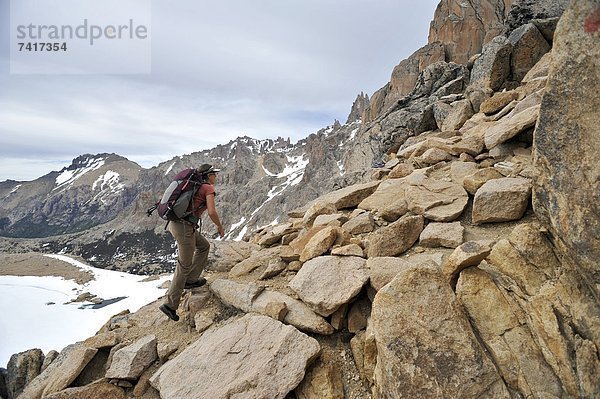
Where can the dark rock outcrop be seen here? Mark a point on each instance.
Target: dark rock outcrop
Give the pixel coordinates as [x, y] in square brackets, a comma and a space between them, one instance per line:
[525, 11]
[22, 368]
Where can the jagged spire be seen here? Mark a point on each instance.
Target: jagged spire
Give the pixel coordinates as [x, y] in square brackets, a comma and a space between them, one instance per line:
[360, 104]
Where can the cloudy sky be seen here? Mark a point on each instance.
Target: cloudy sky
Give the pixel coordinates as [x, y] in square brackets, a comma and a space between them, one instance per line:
[218, 70]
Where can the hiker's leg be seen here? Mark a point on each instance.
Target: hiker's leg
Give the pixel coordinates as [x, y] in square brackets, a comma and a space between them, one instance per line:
[186, 244]
[200, 257]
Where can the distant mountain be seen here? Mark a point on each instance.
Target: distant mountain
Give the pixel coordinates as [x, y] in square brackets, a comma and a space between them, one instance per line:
[96, 207]
[91, 191]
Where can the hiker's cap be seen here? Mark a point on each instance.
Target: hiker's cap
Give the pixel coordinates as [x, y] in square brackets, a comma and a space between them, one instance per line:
[206, 168]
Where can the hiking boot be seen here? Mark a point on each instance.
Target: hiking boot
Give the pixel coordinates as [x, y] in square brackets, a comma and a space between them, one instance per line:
[195, 284]
[169, 312]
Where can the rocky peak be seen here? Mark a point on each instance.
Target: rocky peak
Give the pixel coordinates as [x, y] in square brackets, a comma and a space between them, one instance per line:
[483, 20]
[90, 160]
[358, 107]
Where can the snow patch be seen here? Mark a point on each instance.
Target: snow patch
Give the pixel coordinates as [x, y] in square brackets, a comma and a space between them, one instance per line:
[267, 172]
[44, 306]
[69, 176]
[109, 181]
[241, 235]
[352, 137]
[170, 168]
[293, 173]
[340, 165]
[235, 226]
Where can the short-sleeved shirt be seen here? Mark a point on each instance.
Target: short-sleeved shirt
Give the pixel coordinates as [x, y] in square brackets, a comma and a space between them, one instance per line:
[200, 198]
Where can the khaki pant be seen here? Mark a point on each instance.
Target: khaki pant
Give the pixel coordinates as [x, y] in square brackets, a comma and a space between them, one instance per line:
[193, 255]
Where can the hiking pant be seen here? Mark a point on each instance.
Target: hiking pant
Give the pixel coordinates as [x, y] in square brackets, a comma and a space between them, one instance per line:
[193, 255]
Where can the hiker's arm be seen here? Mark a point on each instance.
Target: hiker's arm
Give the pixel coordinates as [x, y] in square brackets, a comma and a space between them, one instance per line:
[212, 213]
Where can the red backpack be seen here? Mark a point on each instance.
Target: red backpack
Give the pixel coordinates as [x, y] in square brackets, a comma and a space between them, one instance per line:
[177, 202]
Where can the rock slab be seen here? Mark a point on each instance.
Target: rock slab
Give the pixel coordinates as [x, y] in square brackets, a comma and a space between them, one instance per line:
[252, 357]
[566, 194]
[61, 372]
[425, 345]
[396, 238]
[501, 200]
[131, 361]
[327, 282]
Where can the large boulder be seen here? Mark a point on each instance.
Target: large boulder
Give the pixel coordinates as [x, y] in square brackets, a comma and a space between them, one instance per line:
[359, 224]
[396, 238]
[498, 101]
[22, 368]
[425, 345]
[449, 235]
[251, 357]
[274, 234]
[383, 269]
[350, 196]
[501, 200]
[475, 180]
[460, 112]
[528, 47]
[388, 200]
[471, 253]
[558, 316]
[319, 243]
[101, 389]
[254, 261]
[253, 298]
[322, 381]
[566, 193]
[298, 313]
[492, 68]
[328, 282]
[226, 254]
[317, 209]
[61, 372]
[131, 361]
[437, 200]
[510, 126]
[512, 344]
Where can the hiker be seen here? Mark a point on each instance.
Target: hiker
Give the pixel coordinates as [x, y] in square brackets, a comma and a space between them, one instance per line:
[192, 247]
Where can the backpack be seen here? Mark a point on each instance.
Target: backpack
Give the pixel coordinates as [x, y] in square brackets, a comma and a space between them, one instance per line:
[176, 203]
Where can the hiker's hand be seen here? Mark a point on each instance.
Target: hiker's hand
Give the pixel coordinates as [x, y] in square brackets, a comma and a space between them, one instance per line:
[221, 232]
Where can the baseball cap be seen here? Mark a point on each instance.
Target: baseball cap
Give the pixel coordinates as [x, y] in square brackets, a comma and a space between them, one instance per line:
[206, 168]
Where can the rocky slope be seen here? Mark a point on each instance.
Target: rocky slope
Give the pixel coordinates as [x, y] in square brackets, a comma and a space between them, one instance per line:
[422, 92]
[465, 267]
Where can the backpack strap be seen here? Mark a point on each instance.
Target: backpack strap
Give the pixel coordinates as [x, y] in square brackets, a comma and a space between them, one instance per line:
[151, 209]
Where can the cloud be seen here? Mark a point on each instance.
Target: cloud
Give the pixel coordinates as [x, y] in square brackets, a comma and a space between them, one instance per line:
[219, 70]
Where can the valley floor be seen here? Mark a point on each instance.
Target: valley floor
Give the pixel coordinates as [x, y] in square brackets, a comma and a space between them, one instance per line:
[35, 264]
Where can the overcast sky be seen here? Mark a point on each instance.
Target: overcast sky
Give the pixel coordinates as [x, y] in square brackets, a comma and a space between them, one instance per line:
[219, 70]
